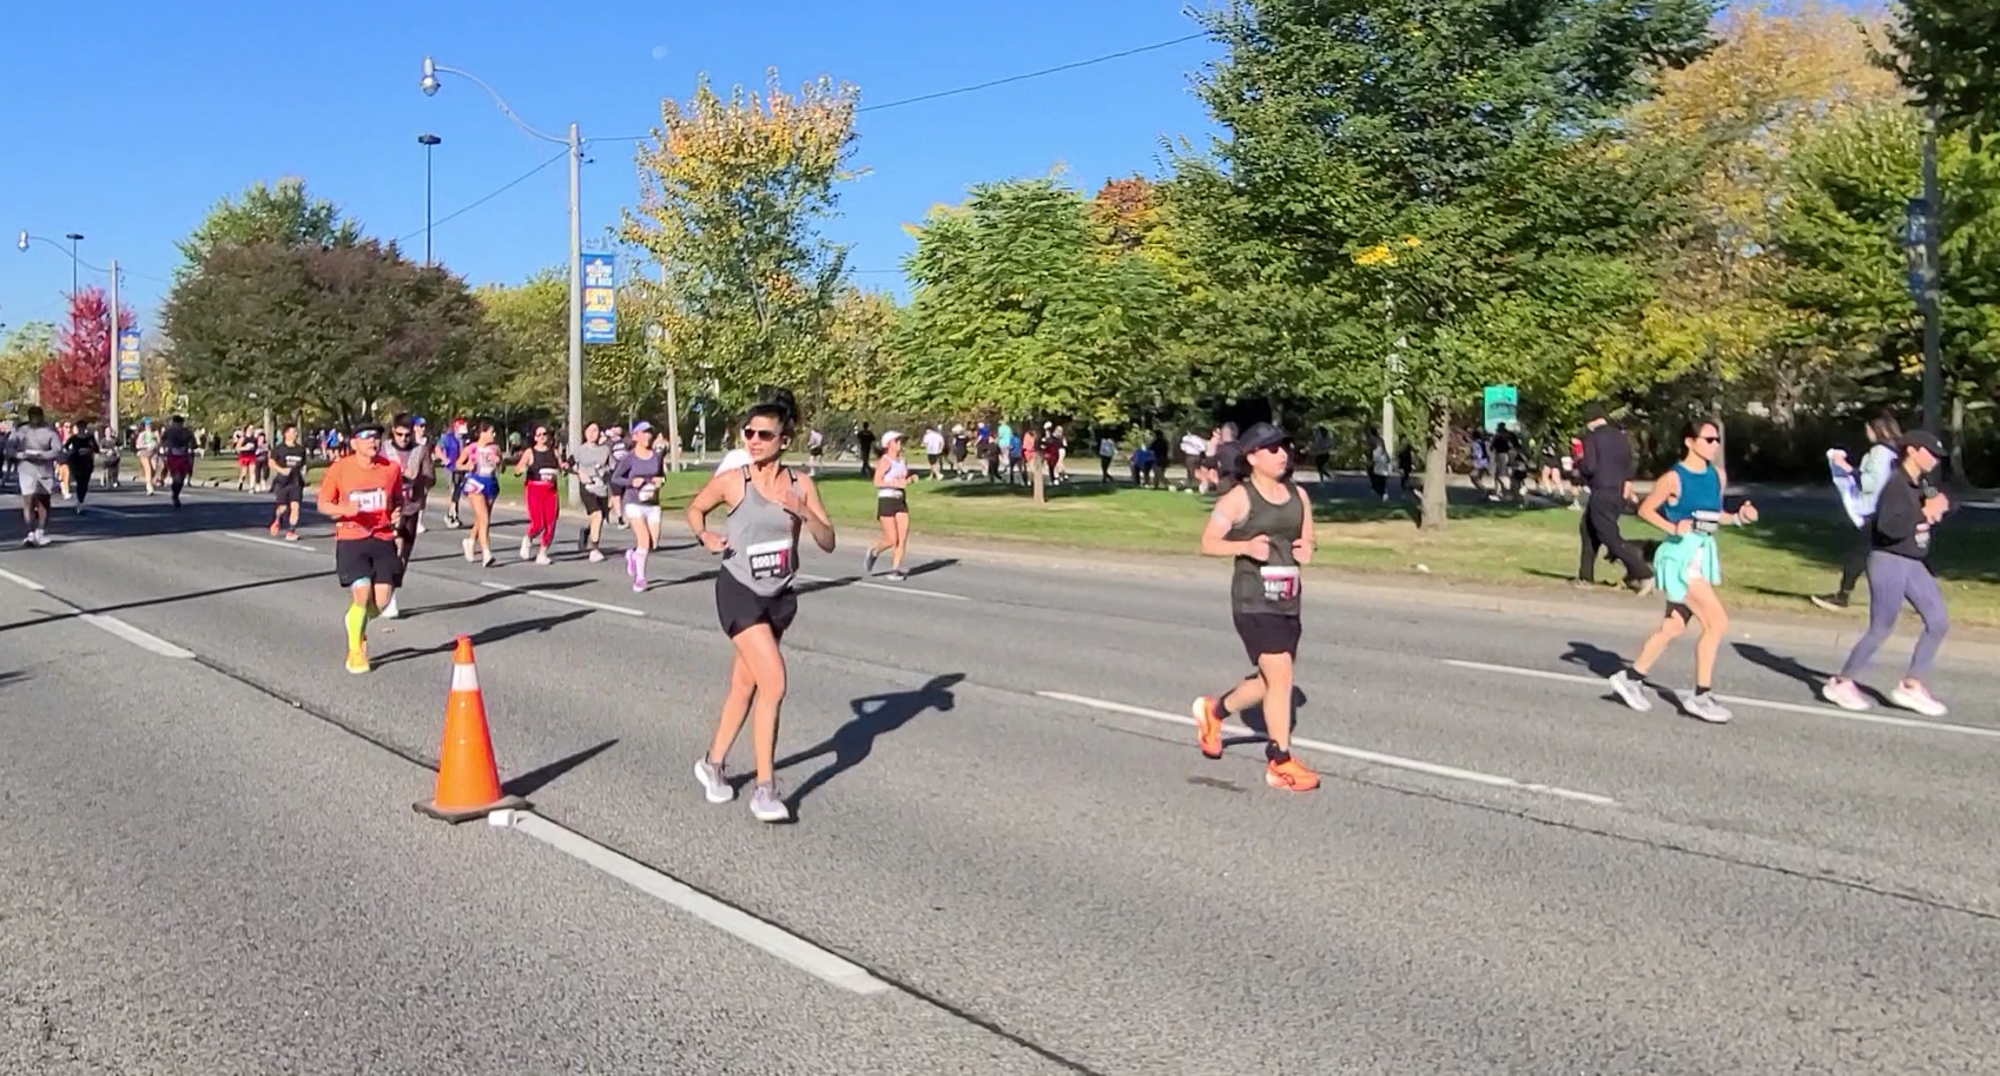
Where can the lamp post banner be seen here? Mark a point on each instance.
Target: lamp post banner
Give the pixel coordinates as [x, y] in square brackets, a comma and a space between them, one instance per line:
[600, 299]
[128, 355]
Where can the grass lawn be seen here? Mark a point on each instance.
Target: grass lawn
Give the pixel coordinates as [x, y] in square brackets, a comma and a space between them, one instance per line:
[1791, 553]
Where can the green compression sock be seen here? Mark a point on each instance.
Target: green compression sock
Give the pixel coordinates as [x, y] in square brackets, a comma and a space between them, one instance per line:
[357, 624]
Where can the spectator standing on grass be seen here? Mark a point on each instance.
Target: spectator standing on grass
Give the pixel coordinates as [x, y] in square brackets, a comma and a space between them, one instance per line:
[1378, 465]
[1605, 476]
[864, 446]
[934, 450]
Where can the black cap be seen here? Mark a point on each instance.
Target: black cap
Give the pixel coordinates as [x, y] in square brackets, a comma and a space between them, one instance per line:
[367, 431]
[1924, 439]
[1262, 435]
[1596, 412]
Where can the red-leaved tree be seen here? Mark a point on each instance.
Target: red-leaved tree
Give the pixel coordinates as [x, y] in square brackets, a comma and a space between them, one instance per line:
[76, 382]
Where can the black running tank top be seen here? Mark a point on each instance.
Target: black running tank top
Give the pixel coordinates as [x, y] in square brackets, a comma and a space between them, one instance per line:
[1271, 586]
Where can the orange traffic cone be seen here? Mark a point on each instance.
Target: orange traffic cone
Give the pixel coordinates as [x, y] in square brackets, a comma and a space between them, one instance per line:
[468, 784]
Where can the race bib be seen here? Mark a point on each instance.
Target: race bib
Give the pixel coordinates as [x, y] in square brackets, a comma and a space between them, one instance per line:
[369, 500]
[887, 493]
[770, 560]
[649, 493]
[547, 474]
[1923, 537]
[1707, 522]
[1281, 582]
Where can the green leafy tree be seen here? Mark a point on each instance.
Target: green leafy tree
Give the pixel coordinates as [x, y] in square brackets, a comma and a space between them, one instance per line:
[283, 214]
[1018, 309]
[527, 365]
[346, 329]
[1421, 174]
[27, 349]
[1946, 51]
[732, 193]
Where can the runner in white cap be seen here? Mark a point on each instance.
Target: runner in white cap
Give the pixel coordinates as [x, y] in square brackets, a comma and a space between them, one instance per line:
[892, 508]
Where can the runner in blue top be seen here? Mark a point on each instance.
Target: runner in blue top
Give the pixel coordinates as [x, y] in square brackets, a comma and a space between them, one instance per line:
[1686, 502]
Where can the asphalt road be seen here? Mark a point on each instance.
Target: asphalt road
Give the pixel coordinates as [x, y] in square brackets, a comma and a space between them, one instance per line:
[213, 867]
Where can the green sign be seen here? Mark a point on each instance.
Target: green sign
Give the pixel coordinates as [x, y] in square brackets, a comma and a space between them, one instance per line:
[1502, 404]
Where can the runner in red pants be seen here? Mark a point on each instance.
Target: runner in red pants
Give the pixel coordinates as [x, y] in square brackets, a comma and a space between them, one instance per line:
[542, 465]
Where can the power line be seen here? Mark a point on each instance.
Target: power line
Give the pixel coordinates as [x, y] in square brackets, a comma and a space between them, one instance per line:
[489, 196]
[1010, 79]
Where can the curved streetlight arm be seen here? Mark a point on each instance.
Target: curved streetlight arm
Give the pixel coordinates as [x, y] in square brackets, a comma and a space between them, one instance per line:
[27, 238]
[431, 70]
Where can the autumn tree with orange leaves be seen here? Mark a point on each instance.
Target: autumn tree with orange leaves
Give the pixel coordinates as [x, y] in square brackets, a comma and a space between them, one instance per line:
[732, 192]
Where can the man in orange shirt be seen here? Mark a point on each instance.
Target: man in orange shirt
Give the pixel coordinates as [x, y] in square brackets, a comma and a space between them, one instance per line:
[363, 492]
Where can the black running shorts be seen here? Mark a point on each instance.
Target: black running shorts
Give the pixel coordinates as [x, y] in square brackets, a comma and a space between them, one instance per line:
[1268, 633]
[739, 608]
[288, 489]
[366, 560]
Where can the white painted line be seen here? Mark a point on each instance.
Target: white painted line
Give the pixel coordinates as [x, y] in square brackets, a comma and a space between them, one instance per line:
[141, 639]
[22, 581]
[1763, 704]
[1434, 769]
[261, 540]
[790, 948]
[95, 510]
[892, 588]
[563, 598]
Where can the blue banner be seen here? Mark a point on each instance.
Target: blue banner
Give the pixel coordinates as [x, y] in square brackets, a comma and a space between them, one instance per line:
[128, 355]
[600, 298]
[1503, 404]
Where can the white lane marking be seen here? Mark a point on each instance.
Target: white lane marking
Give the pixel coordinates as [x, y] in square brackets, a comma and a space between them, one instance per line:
[892, 588]
[563, 598]
[96, 510]
[790, 948]
[142, 639]
[1434, 769]
[1741, 700]
[22, 581]
[261, 540]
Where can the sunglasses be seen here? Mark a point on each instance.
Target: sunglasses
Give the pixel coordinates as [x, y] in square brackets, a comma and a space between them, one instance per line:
[751, 433]
[1709, 440]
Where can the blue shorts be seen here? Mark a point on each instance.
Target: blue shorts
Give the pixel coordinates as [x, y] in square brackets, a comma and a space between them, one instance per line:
[487, 486]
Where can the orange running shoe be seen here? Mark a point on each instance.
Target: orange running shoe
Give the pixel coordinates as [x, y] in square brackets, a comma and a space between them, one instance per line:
[1208, 727]
[274, 528]
[1290, 775]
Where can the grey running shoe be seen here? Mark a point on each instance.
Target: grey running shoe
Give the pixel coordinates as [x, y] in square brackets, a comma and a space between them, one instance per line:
[713, 782]
[868, 563]
[768, 806]
[1701, 704]
[1631, 691]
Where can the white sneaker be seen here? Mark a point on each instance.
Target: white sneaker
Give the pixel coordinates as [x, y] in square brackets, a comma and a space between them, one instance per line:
[526, 550]
[714, 784]
[1703, 705]
[421, 529]
[470, 553]
[596, 555]
[542, 558]
[1918, 699]
[391, 612]
[1845, 694]
[1631, 691]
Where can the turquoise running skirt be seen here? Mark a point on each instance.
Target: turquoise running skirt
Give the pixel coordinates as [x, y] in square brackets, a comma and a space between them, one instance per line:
[1684, 558]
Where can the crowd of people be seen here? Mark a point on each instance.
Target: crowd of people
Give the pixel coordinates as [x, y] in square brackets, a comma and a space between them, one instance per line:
[377, 489]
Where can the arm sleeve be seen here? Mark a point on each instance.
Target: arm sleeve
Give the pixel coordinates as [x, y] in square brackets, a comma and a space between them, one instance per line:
[1586, 467]
[621, 475]
[1875, 468]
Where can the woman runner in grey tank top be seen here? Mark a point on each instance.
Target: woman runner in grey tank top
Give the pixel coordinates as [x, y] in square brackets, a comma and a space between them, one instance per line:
[1265, 523]
[769, 504]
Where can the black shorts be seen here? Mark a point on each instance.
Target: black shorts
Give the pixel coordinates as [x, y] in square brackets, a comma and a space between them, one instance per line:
[1268, 633]
[593, 503]
[366, 560]
[739, 608]
[288, 490]
[886, 507]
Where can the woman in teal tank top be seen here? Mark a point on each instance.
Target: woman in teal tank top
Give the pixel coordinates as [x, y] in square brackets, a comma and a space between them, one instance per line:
[1686, 502]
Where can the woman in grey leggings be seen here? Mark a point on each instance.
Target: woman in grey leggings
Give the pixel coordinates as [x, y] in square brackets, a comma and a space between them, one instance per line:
[1900, 540]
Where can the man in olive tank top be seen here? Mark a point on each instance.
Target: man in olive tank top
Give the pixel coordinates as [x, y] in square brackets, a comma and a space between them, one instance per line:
[1265, 524]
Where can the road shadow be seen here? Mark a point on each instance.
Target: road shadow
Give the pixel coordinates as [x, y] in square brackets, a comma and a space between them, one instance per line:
[533, 781]
[487, 597]
[1812, 679]
[1260, 729]
[173, 598]
[1071, 490]
[874, 716]
[483, 637]
[1597, 660]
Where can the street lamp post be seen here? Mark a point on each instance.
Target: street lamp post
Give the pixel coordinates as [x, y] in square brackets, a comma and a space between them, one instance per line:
[27, 239]
[74, 238]
[429, 84]
[427, 141]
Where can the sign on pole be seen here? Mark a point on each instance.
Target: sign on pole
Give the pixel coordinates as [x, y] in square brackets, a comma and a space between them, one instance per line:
[1502, 405]
[128, 355]
[600, 299]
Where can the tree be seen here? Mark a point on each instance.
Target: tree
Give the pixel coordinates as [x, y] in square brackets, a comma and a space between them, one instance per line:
[283, 214]
[1417, 180]
[345, 329]
[1944, 51]
[1017, 310]
[527, 365]
[25, 352]
[731, 195]
[863, 367]
[75, 382]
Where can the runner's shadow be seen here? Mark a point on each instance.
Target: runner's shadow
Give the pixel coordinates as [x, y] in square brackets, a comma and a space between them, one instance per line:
[1812, 678]
[1260, 730]
[490, 596]
[849, 580]
[541, 777]
[483, 637]
[874, 716]
[1599, 661]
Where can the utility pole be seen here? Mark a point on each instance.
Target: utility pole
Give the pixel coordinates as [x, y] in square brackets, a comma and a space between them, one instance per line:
[111, 351]
[1931, 298]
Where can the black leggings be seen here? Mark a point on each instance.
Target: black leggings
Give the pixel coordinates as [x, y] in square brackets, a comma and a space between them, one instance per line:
[1854, 563]
[79, 478]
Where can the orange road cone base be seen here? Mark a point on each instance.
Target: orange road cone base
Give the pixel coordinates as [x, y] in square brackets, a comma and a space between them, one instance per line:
[456, 815]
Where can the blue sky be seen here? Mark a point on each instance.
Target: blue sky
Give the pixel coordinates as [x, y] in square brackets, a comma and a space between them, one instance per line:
[128, 125]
